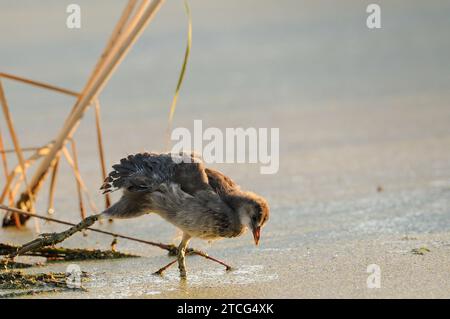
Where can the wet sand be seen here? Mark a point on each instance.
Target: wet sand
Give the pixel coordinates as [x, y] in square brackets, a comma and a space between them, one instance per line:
[313, 249]
[333, 270]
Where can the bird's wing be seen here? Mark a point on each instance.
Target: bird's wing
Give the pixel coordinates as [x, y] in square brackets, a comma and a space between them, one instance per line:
[145, 172]
[191, 175]
[220, 183]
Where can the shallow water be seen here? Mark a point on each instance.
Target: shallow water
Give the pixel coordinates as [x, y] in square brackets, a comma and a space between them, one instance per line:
[356, 108]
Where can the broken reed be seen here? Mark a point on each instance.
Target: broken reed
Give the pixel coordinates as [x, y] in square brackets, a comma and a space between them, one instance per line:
[67, 254]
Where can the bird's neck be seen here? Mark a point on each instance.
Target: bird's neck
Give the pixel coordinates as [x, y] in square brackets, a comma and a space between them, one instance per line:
[236, 201]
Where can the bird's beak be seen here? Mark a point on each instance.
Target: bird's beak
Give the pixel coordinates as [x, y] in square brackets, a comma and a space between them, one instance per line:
[256, 234]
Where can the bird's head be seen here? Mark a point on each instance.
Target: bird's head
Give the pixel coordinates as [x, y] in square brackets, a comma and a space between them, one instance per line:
[253, 212]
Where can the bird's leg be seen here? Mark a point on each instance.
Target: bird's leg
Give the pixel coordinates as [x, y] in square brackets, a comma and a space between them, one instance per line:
[182, 254]
[191, 251]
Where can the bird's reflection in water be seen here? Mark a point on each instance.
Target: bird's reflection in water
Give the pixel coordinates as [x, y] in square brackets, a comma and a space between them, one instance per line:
[242, 275]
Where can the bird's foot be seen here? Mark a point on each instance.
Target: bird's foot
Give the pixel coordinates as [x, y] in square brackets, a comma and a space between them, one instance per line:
[162, 269]
[181, 267]
[174, 251]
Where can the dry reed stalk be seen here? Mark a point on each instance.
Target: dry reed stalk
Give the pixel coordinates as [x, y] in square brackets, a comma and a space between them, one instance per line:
[39, 84]
[15, 188]
[90, 92]
[101, 152]
[17, 170]
[51, 193]
[11, 191]
[114, 36]
[111, 44]
[41, 151]
[78, 177]
[15, 216]
[24, 149]
[77, 169]
[5, 171]
[45, 86]
[18, 149]
[6, 188]
[115, 45]
[3, 156]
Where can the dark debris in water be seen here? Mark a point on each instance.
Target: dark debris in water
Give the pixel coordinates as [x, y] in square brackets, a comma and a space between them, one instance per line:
[18, 283]
[20, 280]
[15, 283]
[407, 237]
[420, 251]
[67, 254]
[9, 264]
